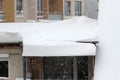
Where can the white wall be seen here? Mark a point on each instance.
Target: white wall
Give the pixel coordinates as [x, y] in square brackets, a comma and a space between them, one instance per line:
[108, 57]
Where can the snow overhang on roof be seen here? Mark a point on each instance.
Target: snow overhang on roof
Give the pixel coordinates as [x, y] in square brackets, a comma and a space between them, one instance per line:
[7, 37]
[69, 49]
[10, 43]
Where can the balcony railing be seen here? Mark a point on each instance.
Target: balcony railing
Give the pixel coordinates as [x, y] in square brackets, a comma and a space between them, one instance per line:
[49, 15]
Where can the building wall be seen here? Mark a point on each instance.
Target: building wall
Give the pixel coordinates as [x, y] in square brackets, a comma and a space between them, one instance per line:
[15, 60]
[45, 5]
[8, 9]
[90, 8]
[30, 9]
[56, 6]
[16, 66]
[22, 18]
[56, 9]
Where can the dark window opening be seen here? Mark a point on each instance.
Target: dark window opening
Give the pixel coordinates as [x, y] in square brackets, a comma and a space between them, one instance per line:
[3, 68]
[59, 68]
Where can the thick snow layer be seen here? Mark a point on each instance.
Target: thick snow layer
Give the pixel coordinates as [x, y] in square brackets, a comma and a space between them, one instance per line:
[108, 54]
[66, 49]
[75, 29]
[54, 33]
[6, 37]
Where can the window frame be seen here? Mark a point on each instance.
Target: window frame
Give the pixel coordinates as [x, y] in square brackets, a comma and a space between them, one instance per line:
[78, 13]
[68, 9]
[39, 8]
[6, 59]
[16, 11]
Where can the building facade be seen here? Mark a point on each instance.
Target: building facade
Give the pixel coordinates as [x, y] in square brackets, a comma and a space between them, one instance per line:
[27, 10]
[11, 61]
[91, 8]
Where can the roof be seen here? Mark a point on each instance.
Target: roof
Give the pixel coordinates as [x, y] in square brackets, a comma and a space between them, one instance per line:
[56, 38]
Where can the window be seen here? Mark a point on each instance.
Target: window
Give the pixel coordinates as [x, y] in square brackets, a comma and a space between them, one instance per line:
[39, 7]
[67, 8]
[19, 7]
[59, 68]
[0, 4]
[65, 68]
[77, 8]
[4, 69]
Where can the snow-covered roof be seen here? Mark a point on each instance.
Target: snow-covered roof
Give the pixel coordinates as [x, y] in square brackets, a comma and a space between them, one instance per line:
[64, 49]
[54, 34]
[7, 37]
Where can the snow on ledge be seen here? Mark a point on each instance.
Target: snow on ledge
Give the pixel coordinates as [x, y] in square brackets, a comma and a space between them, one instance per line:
[73, 49]
[7, 37]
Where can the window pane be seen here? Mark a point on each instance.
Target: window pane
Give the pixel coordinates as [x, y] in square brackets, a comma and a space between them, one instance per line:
[58, 68]
[19, 6]
[39, 7]
[82, 68]
[3, 68]
[77, 8]
[67, 8]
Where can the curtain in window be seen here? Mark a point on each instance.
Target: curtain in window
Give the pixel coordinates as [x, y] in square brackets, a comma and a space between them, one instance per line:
[67, 8]
[77, 8]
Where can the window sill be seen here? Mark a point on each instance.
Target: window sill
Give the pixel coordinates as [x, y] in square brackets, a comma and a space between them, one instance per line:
[20, 15]
[4, 78]
[67, 17]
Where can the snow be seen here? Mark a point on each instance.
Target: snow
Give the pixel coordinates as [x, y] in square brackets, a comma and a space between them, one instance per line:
[61, 33]
[107, 61]
[71, 49]
[6, 37]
